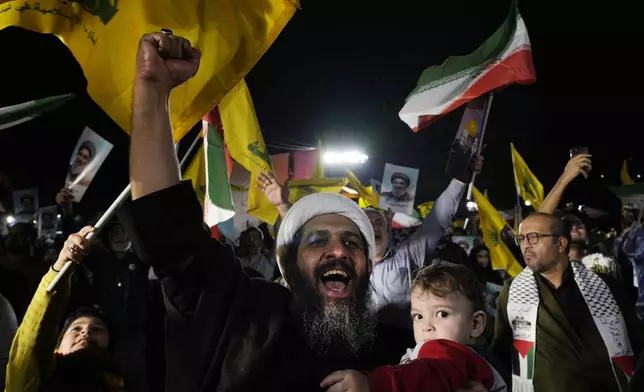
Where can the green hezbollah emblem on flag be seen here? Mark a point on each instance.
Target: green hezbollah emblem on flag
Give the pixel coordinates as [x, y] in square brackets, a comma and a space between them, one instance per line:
[104, 9]
[258, 149]
[527, 184]
[494, 236]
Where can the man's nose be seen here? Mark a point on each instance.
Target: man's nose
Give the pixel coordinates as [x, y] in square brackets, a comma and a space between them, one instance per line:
[336, 248]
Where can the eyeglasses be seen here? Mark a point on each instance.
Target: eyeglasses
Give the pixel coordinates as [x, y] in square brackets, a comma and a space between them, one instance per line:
[533, 238]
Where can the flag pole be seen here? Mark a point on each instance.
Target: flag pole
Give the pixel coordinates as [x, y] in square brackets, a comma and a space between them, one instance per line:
[519, 210]
[486, 114]
[112, 209]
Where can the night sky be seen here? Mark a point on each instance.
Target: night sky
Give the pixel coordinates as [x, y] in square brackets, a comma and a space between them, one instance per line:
[340, 72]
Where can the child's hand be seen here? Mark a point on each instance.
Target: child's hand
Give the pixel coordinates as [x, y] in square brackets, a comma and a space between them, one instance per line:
[346, 381]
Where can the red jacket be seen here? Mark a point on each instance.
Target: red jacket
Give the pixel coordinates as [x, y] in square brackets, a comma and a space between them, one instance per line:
[442, 365]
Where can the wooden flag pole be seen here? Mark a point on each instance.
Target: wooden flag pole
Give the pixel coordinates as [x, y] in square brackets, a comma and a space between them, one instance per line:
[112, 209]
[486, 114]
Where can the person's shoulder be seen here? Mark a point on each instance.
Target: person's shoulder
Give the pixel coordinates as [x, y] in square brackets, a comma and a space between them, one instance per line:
[613, 283]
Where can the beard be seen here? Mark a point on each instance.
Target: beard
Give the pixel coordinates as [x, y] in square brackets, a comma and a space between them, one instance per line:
[77, 168]
[399, 192]
[337, 328]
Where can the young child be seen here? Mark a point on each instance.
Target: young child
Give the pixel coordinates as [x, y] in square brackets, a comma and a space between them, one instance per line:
[447, 307]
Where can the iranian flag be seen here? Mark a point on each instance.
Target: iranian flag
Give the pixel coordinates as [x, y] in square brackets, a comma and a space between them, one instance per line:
[218, 199]
[505, 58]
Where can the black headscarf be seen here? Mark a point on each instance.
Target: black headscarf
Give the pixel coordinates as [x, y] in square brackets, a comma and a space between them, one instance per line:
[484, 274]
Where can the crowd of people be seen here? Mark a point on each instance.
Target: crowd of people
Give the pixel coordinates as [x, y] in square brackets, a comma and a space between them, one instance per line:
[329, 299]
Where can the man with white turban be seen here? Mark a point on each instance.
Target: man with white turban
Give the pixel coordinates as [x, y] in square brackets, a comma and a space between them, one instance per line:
[226, 331]
[394, 267]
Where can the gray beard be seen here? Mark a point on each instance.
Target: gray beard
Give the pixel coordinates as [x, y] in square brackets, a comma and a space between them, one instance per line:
[340, 328]
[75, 170]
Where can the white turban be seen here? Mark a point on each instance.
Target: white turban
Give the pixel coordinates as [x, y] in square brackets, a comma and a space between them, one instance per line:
[318, 204]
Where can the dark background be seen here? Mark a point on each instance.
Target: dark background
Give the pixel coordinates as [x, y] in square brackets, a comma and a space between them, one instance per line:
[340, 72]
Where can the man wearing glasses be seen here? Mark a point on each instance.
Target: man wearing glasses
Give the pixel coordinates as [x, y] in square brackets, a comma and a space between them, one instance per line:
[560, 326]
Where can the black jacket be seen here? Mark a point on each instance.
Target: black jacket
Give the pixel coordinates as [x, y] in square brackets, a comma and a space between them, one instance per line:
[224, 330]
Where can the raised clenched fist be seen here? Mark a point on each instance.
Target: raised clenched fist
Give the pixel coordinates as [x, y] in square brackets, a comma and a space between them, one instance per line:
[166, 61]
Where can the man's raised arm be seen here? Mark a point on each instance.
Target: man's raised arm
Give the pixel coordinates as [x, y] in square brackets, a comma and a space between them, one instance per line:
[163, 63]
[579, 164]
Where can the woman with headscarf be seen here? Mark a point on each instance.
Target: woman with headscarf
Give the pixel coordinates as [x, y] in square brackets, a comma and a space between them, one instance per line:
[492, 281]
[78, 358]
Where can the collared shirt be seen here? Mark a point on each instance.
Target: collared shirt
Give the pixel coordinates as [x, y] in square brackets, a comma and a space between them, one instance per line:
[573, 305]
[589, 340]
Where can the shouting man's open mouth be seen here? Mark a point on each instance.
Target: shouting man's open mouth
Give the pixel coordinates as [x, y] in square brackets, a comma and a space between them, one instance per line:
[335, 280]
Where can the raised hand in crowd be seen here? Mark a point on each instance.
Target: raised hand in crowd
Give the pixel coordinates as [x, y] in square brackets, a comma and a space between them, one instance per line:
[74, 249]
[579, 164]
[477, 163]
[164, 61]
[275, 193]
[476, 166]
[64, 199]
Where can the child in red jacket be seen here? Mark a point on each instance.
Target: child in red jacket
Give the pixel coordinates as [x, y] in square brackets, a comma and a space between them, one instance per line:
[447, 307]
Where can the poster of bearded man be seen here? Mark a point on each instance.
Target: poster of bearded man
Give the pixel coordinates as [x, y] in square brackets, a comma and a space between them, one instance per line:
[398, 188]
[88, 156]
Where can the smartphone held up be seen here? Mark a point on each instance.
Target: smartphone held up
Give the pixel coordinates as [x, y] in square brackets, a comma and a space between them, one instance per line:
[578, 151]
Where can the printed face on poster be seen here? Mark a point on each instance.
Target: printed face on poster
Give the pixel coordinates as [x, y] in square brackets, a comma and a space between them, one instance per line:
[466, 142]
[398, 188]
[25, 202]
[88, 156]
[48, 222]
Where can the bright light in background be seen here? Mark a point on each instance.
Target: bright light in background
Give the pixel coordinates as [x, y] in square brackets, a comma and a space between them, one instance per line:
[347, 157]
[602, 176]
[11, 220]
[638, 176]
[35, 222]
[349, 190]
[471, 206]
[58, 216]
[527, 203]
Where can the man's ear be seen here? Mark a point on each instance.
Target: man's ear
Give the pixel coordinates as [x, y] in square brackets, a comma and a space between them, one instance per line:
[479, 319]
[563, 244]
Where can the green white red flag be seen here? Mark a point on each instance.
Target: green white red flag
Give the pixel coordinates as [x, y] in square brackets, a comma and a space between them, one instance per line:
[218, 198]
[504, 58]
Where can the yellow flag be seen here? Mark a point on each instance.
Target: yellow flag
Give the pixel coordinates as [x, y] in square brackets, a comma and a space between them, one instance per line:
[374, 199]
[300, 188]
[367, 197]
[104, 36]
[492, 225]
[528, 186]
[196, 173]
[318, 169]
[425, 208]
[246, 145]
[625, 176]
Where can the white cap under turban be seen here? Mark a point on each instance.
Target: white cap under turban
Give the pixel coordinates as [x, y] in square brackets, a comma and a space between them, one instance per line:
[318, 204]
